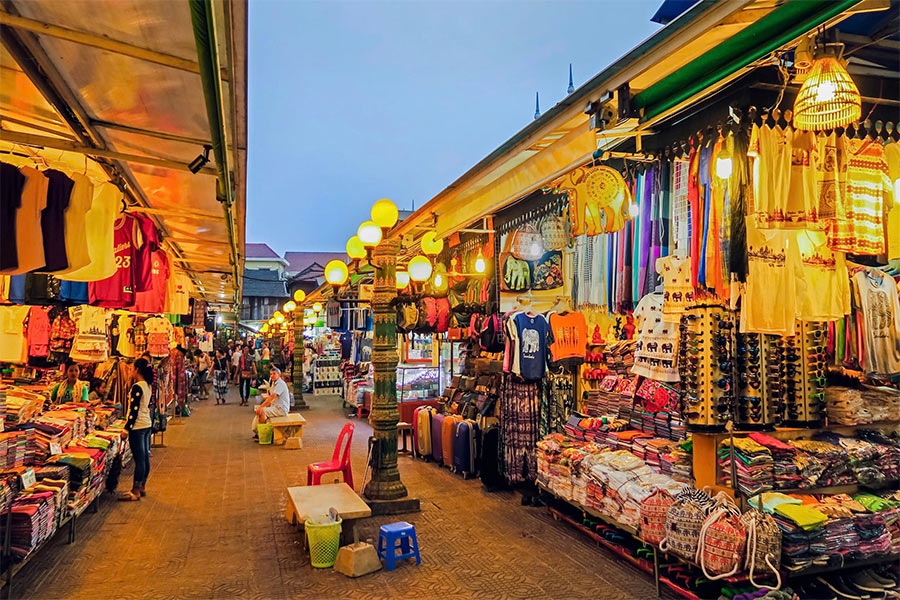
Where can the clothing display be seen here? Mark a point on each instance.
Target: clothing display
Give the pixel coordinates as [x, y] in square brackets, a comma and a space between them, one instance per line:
[160, 336]
[656, 352]
[877, 297]
[154, 299]
[99, 228]
[117, 290]
[678, 292]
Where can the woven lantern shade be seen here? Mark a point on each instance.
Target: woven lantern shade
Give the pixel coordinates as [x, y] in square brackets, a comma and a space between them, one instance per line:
[828, 98]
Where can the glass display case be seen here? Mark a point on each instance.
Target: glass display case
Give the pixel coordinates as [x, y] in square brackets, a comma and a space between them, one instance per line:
[450, 361]
[417, 348]
[417, 382]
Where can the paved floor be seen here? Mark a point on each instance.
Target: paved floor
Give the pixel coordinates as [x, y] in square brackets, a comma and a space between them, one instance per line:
[212, 526]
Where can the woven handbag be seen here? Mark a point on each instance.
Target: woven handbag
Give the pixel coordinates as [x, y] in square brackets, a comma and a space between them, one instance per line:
[763, 545]
[684, 521]
[722, 540]
[527, 243]
[653, 515]
[553, 232]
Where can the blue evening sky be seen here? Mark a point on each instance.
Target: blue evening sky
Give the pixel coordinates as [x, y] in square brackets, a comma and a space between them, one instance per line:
[354, 101]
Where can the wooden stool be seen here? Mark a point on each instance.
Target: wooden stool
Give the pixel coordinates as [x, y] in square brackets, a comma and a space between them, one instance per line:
[405, 429]
[288, 426]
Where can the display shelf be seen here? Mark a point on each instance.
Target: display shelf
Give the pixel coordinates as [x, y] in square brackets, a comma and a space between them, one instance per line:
[856, 564]
[681, 591]
[606, 519]
[640, 563]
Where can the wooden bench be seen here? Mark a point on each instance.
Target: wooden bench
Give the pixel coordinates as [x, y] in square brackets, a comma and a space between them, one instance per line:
[290, 425]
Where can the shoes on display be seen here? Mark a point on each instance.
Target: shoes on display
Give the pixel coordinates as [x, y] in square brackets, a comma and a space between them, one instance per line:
[839, 589]
[865, 582]
[887, 582]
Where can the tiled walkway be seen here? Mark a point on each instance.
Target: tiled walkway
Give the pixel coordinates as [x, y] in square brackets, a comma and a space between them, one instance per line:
[212, 526]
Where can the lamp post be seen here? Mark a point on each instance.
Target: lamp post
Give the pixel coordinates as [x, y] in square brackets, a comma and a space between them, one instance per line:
[299, 351]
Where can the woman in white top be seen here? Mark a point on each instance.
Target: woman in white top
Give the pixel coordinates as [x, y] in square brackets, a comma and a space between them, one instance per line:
[138, 425]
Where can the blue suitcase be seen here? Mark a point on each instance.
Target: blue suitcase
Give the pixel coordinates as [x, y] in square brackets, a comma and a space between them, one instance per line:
[465, 448]
[437, 422]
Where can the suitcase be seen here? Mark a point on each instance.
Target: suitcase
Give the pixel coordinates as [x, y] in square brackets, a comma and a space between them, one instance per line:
[489, 466]
[437, 422]
[448, 434]
[422, 431]
[465, 448]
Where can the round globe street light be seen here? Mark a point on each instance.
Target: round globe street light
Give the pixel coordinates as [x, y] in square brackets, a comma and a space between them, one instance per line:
[336, 273]
[385, 214]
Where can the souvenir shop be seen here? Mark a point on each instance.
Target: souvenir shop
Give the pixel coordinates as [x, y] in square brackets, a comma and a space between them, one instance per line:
[85, 288]
[689, 347]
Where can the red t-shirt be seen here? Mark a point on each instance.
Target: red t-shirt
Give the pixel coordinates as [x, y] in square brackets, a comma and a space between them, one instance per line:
[154, 300]
[143, 259]
[117, 290]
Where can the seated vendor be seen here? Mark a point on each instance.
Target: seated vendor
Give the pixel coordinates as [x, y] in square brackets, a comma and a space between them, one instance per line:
[277, 402]
[70, 389]
[98, 391]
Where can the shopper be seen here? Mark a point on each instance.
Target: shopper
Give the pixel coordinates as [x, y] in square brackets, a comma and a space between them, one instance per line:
[203, 366]
[71, 389]
[220, 377]
[98, 391]
[138, 426]
[277, 402]
[236, 364]
[266, 354]
[247, 368]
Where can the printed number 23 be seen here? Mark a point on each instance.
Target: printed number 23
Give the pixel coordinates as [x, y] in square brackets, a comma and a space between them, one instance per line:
[123, 262]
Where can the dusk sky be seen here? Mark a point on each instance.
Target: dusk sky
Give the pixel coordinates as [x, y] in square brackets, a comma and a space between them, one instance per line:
[355, 101]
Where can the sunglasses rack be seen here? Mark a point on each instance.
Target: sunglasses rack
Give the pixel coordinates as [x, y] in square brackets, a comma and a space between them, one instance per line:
[757, 408]
[706, 367]
[803, 372]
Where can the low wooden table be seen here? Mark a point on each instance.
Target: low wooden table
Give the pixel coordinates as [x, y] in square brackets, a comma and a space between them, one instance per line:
[306, 500]
[290, 425]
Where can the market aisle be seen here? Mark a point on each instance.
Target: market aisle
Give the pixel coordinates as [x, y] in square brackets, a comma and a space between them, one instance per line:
[213, 526]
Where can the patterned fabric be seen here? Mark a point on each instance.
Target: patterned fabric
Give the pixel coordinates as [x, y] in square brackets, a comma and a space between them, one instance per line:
[519, 412]
[140, 337]
[62, 332]
[868, 191]
[653, 516]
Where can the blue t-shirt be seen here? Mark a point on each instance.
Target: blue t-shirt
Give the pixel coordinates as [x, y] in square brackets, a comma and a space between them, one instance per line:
[532, 334]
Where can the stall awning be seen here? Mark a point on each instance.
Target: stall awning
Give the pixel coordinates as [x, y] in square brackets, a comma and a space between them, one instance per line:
[126, 86]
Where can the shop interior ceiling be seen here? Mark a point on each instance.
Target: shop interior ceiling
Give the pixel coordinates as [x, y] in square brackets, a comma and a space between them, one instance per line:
[708, 33]
[124, 87]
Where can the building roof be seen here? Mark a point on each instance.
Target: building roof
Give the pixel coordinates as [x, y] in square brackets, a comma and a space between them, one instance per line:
[264, 282]
[260, 251]
[302, 261]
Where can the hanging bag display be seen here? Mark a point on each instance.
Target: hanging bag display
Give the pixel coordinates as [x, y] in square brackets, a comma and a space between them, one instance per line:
[547, 273]
[684, 521]
[515, 274]
[722, 540]
[763, 546]
[653, 515]
[527, 243]
[553, 232]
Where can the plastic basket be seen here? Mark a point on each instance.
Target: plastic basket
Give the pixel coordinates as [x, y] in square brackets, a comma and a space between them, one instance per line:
[265, 432]
[324, 542]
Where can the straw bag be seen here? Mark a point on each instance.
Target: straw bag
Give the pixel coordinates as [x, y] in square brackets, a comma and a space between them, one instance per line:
[763, 545]
[653, 515]
[722, 540]
[527, 243]
[553, 232]
[684, 521]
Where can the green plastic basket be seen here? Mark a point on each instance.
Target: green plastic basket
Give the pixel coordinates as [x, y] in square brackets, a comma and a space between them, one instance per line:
[324, 543]
[265, 432]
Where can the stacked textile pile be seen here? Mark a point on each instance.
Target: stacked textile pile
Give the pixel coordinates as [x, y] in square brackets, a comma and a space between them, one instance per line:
[785, 467]
[753, 465]
[802, 535]
[887, 459]
[620, 356]
[822, 464]
[14, 448]
[32, 521]
[873, 528]
[21, 406]
[75, 419]
[604, 400]
[47, 432]
[679, 463]
[839, 470]
[848, 406]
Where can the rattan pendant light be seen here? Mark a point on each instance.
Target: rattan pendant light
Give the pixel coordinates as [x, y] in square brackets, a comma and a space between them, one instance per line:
[828, 98]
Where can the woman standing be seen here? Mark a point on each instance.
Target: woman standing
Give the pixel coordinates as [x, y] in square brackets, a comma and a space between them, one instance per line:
[70, 389]
[138, 426]
[220, 376]
[203, 365]
[247, 367]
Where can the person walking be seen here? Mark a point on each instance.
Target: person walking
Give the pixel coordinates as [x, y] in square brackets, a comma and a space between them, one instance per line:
[203, 367]
[236, 365]
[138, 427]
[220, 377]
[247, 368]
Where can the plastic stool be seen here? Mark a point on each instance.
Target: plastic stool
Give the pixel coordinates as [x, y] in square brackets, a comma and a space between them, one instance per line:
[389, 535]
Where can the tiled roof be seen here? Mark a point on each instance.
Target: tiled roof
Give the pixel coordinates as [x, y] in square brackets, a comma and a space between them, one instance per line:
[264, 282]
[301, 261]
[260, 251]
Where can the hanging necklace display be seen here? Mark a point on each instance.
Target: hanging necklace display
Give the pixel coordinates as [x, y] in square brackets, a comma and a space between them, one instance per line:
[706, 367]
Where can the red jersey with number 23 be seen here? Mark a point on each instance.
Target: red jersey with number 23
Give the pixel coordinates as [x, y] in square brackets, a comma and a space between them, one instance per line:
[117, 290]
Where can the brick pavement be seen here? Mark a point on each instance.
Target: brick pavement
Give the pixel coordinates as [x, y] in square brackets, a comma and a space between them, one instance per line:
[212, 526]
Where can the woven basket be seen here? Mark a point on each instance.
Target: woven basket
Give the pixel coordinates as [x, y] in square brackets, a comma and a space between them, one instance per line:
[653, 516]
[763, 545]
[553, 232]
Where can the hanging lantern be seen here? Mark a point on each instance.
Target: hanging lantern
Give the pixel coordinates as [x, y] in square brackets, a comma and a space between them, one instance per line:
[299, 296]
[724, 165]
[439, 282]
[355, 248]
[419, 268]
[289, 306]
[402, 279]
[828, 98]
[385, 214]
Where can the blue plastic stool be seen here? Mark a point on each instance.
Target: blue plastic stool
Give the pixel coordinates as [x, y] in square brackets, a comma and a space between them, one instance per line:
[389, 535]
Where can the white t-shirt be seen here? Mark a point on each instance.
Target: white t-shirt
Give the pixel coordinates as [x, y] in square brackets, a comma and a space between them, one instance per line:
[283, 401]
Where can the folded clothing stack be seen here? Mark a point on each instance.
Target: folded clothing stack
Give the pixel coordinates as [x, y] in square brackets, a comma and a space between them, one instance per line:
[850, 406]
[753, 465]
[785, 467]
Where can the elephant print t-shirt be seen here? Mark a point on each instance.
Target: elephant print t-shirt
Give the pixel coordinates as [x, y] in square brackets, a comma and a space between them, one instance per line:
[678, 293]
[657, 341]
[532, 333]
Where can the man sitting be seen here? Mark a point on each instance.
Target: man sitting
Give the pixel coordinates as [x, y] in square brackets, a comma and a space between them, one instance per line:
[277, 402]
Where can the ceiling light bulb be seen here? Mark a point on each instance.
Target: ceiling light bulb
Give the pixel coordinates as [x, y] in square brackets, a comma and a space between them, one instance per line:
[480, 264]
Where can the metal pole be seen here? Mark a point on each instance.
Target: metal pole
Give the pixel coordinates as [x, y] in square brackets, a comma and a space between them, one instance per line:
[385, 483]
[297, 364]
